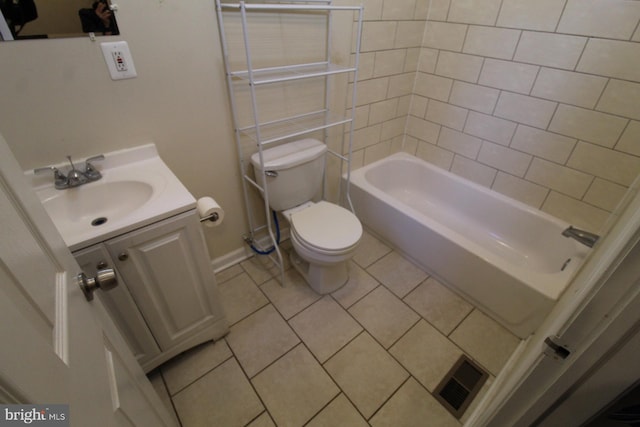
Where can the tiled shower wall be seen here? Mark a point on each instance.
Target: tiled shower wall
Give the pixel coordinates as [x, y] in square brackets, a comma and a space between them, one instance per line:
[539, 100]
[392, 35]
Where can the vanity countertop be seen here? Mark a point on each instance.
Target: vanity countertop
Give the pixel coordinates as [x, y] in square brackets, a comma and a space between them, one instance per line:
[136, 189]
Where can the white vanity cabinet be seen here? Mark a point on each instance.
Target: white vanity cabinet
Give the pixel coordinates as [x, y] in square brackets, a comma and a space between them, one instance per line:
[167, 300]
[120, 305]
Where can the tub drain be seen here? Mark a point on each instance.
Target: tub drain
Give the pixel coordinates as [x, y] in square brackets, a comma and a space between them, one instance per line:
[98, 221]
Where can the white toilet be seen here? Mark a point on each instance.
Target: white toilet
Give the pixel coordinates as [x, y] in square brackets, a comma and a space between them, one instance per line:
[324, 235]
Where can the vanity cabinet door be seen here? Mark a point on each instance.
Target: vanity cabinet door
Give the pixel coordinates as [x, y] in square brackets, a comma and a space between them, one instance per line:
[120, 305]
[167, 268]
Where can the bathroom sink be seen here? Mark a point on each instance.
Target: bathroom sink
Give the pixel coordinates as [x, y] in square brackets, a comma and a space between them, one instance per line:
[136, 189]
[96, 204]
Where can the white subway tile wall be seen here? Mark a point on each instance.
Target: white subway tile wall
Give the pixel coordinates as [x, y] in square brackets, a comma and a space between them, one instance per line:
[542, 15]
[491, 42]
[459, 66]
[614, 19]
[474, 97]
[490, 128]
[538, 100]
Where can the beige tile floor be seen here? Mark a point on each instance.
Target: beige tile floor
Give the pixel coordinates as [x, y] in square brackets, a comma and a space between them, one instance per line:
[371, 353]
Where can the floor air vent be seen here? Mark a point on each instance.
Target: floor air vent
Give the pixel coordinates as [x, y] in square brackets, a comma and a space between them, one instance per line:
[458, 388]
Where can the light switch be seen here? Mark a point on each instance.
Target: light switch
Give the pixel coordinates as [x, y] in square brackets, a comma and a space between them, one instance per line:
[119, 60]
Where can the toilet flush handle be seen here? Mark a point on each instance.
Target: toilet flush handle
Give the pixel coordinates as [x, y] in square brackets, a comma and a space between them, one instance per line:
[271, 173]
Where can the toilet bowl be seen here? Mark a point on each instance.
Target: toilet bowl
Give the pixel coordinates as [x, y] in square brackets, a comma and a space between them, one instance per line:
[324, 237]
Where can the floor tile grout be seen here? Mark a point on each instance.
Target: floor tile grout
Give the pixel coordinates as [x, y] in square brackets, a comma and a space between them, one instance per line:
[343, 345]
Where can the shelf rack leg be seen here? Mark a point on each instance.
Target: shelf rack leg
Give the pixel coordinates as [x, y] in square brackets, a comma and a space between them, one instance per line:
[254, 108]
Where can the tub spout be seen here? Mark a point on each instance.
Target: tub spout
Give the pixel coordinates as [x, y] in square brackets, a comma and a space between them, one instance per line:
[582, 236]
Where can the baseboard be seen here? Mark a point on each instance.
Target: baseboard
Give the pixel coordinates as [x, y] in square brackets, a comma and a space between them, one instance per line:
[225, 261]
[243, 253]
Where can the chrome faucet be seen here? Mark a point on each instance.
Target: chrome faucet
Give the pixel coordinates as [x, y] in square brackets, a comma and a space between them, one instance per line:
[582, 236]
[74, 177]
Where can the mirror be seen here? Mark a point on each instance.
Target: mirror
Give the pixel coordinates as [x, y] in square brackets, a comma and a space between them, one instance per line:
[43, 19]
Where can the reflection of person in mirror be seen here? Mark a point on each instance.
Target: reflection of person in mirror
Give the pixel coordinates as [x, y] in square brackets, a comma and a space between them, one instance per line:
[98, 19]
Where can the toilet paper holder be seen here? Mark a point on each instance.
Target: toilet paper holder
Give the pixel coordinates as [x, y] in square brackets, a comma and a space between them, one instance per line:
[213, 217]
[209, 211]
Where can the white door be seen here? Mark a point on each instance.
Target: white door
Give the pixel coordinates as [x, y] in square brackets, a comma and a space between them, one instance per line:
[58, 348]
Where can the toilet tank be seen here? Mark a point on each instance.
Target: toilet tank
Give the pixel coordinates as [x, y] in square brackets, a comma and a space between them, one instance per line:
[298, 169]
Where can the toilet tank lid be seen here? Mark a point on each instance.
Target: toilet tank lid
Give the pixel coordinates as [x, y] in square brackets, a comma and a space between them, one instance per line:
[290, 154]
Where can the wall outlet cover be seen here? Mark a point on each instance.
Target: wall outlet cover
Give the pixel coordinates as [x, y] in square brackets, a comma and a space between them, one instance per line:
[119, 60]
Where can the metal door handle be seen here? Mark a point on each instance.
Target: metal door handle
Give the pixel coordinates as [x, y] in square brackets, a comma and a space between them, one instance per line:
[105, 279]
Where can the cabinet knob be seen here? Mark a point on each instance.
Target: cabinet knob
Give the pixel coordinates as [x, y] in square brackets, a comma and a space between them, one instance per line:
[123, 256]
[105, 279]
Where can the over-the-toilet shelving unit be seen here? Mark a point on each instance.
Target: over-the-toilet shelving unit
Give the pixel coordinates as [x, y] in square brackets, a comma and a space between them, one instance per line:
[245, 80]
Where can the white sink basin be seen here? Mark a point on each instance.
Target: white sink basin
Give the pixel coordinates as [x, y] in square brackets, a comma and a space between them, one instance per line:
[136, 189]
[96, 204]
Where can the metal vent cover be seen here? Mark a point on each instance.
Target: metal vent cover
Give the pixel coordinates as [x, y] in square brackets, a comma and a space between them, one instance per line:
[461, 384]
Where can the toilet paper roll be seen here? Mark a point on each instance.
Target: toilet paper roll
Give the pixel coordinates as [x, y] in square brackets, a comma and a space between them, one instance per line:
[210, 212]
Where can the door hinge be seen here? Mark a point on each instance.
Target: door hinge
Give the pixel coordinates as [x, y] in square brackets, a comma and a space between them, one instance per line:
[556, 350]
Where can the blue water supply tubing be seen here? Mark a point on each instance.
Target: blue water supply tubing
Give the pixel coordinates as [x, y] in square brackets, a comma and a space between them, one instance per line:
[272, 248]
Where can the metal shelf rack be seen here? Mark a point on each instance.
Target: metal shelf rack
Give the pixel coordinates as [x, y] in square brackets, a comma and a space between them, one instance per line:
[250, 127]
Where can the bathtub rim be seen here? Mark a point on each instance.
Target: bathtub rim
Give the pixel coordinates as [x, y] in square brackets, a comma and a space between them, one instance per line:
[550, 285]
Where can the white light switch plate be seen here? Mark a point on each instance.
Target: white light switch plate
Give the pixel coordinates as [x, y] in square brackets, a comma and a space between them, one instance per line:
[119, 60]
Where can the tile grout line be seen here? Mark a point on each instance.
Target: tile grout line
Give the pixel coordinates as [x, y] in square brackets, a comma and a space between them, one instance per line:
[173, 406]
[364, 330]
[201, 376]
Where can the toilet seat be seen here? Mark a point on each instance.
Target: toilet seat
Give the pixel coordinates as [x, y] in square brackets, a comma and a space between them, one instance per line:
[326, 228]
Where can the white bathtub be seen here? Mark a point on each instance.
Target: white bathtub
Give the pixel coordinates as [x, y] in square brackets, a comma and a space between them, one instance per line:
[506, 257]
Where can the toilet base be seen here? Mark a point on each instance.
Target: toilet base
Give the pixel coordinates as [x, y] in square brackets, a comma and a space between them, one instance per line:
[323, 279]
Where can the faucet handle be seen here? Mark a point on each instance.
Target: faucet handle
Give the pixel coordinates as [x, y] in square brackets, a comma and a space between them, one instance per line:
[94, 158]
[39, 171]
[90, 171]
[60, 180]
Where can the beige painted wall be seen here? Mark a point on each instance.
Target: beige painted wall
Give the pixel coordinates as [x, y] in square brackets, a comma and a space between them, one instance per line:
[58, 99]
